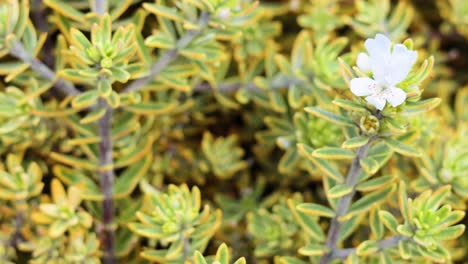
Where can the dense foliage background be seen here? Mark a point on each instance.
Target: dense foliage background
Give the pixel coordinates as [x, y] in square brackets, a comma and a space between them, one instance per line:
[171, 131]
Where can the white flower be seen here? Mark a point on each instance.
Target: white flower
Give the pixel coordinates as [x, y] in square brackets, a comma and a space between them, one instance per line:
[388, 66]
[224, 13]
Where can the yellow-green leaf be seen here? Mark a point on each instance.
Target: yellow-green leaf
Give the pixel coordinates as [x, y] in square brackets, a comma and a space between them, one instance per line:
[355, 142]
[402, 148]
[329, 116]
[333, 153]
[316, 209]
[339, 190]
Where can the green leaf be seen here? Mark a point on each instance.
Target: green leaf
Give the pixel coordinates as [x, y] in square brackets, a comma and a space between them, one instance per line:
[401, 148]
[106, 28]
[289, 160]
[450, 233]
[355, 142]
[389, 221]
[348, 105]
[12, 124]
[128, 180]
[72, 161]
[283, 64]
[113, 99]
[339, 190]
[327, 168]
[70, 177]
[222, 255]
[403, 202]
[368, 201]
[125, 239]
[135, 153]
[438, 197]
[294, 96]
[334, 153]
[421, 106]
[226, 101]
[349, 226]
[104, 88]
[66, 10]
[316, 210]
[313, 250]
[277, 102]
[160, 40]
[57, 228]
[367, 248]
[385, 258]
[291, 260]
[79, 39]
[404, 249]
[329, 116]
[164, 11]
[93, 116]
[147, 231]
[352, 259]
[120, 74]
[395, 125]
[369, 165]
[375, 184]
[375, 224]
[199, 259]
[307, 222]
[76, 76]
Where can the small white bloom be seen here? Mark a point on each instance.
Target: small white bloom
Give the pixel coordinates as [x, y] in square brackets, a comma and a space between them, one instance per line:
[224, 13]
[388, 66]
[363, 62]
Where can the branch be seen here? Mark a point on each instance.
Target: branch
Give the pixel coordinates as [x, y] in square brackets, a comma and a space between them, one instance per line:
[40, 68]
[106, 168]
[169, 56]
[280, 81]
[383, 244]
[344, 202]
[106, 180]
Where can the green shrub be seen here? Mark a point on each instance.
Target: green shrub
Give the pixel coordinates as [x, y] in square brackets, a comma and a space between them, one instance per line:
[233, 131]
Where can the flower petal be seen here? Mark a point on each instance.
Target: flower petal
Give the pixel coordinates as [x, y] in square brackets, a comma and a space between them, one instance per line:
[395, 96]
[401, 62]
[377, 101]
[363, 62]
[363, 86]
[379, 47]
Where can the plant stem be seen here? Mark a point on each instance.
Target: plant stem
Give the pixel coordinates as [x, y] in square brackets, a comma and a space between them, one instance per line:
[170, 55]
[106, 166]
[383, 244]
[344, 203]
[106, 180]
[280, 81]
[40, 68]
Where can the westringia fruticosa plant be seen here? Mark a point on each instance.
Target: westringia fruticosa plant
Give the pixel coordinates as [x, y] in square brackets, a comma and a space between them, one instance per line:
[233, 131]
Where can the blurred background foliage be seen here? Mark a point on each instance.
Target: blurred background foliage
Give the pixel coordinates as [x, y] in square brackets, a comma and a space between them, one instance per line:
[210, 150]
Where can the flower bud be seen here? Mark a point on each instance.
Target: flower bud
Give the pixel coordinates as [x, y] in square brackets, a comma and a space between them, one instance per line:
[369, 125]
[106, 63]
